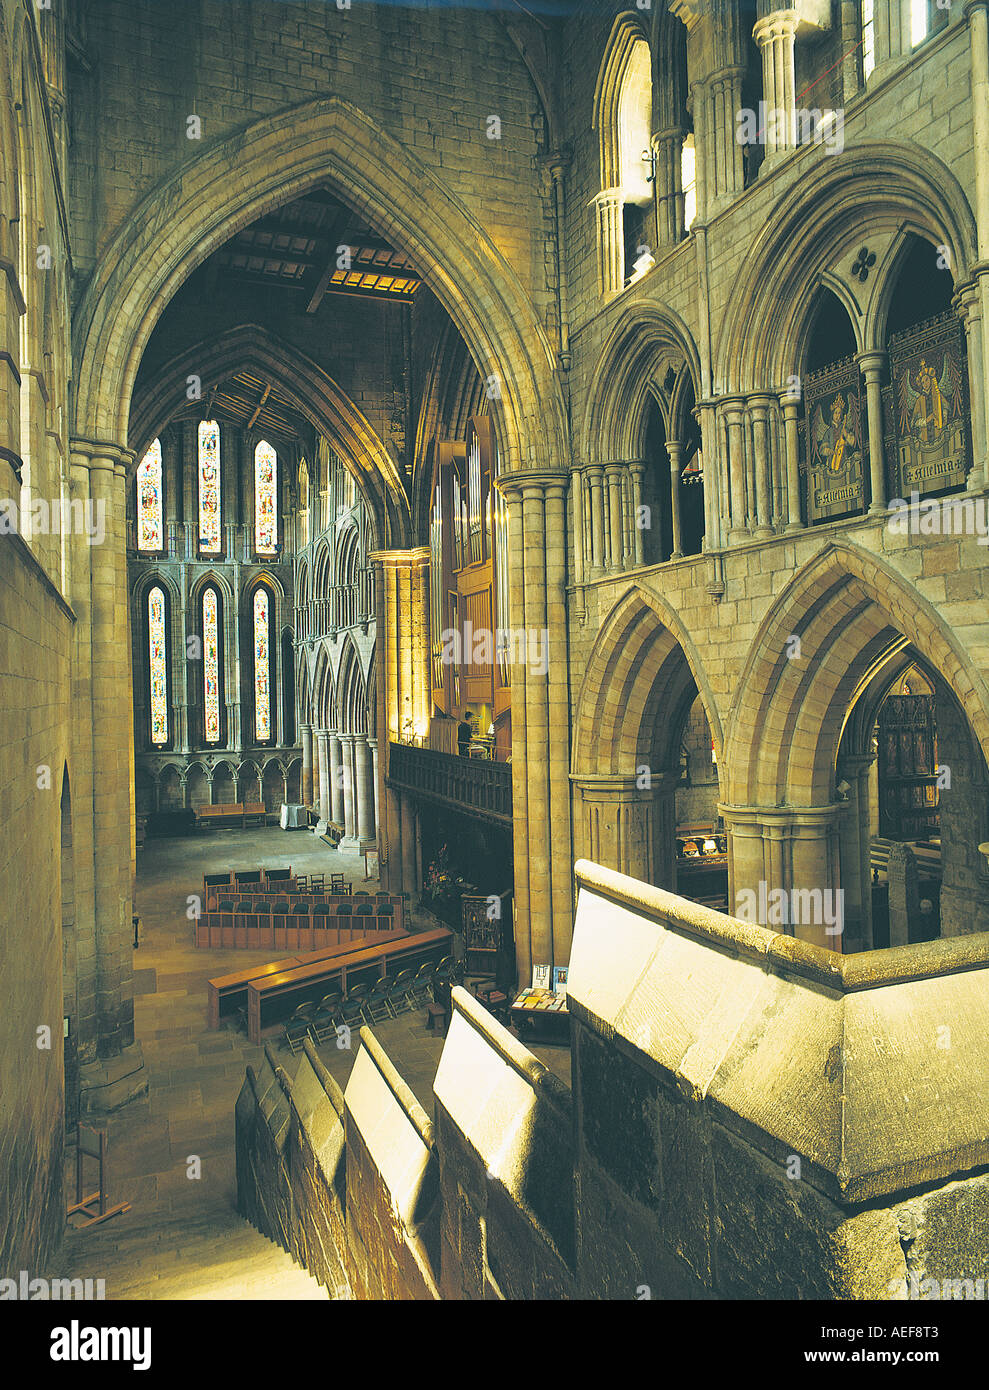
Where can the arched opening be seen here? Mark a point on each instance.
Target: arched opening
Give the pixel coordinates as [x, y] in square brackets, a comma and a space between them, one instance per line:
[805, 793]
[638, 711]
[833, 426]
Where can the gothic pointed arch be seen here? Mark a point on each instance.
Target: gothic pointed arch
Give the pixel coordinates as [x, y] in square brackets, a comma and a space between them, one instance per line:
[314, 394]
[267, 164]
[819, 222]
[792, 701]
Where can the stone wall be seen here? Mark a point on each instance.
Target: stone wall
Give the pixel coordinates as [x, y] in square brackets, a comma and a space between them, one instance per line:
[35, 866]
[503, 1128]
[392, 1183]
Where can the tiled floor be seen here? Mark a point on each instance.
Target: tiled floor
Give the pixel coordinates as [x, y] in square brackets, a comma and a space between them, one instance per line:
[183, 1237]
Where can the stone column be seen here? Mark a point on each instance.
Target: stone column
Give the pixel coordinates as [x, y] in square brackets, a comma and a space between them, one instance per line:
[595, 475]
[738, 529]
[790, 405]
[674, 448]
[364, 792]
[759, 406]
[306, 732]
[372, 743]
[404, 683]
[775, 34]
[349, 840]
[856, 878]
[706, 413]
[616, 555]
[637, 472]
[540, 737]
[611, 247]
[336, 778]
[791, 849]
[727, 171]
[873, 365]
[326, 781]
[968, 306]
[112, 1070]
[666, 147]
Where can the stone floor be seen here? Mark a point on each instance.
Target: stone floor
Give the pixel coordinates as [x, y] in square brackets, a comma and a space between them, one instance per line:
[183, 1237]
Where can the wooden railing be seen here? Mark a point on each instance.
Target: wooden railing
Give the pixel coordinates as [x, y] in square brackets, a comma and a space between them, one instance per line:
[470, 784]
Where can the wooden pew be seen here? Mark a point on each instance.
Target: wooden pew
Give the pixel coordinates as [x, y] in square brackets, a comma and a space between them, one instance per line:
[225, 993]
[249, 928]
[272, 998]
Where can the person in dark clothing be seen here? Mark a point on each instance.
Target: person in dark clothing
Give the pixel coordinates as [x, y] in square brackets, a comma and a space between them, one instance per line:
[465, 730]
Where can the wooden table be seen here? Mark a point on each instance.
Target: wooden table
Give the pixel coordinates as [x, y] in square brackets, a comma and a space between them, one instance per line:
[554, 1023]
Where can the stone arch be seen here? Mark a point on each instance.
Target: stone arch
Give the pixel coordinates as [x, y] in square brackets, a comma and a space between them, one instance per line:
[644, 339]
[626, 32]
[788, 713]
[904, 187]
[277, 159]
[643, 676]
[641, 657]
[314, 394]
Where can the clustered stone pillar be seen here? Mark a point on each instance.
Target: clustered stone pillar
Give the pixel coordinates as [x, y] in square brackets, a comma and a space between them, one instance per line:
[305, 731]
[775, 34]
[365, 792]
[793, 849]
[404, 694]
[335, 794]
[322, 749]
[112, 1069]
[540, 731]
[610, 240]
[738, 525]
[666, 147]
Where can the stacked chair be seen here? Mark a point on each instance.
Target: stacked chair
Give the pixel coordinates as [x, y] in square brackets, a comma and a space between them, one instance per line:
[371, 1003]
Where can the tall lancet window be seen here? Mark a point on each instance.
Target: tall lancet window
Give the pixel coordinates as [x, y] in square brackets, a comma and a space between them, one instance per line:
[265, 499]
[158, 666]
[209, 487]
[150, 518]
[262, 667]
[211, 667]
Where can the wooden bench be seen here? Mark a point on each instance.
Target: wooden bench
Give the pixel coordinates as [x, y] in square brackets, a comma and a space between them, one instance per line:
[225, 993]
[271, 999]
[232, 813]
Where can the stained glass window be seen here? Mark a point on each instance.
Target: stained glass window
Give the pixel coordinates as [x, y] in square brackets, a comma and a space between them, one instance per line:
[209, 486]
[265, 499]
[158, 667]
[211, 667]
[262, 664]
[150, 526]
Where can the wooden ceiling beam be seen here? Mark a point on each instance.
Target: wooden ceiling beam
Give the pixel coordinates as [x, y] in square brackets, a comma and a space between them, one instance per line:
[264, 397]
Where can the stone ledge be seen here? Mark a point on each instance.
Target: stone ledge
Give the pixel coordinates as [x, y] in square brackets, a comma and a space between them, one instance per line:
[863, 1070]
